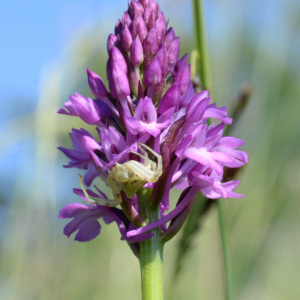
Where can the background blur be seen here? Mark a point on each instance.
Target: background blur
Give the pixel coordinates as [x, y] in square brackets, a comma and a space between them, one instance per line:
[45, 50]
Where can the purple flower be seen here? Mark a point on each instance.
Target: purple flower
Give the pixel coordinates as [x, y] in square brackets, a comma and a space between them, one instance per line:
[145, 119]
[84, 144]
[82, 107]
[201, 151]
[85, 220]
[112, 142]
[227, 145]
[209, 182]
[154, 133]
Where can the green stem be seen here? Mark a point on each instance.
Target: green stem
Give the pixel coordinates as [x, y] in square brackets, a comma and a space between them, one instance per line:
[225, 248]
[151, 253]
[201, 46]
[205, 80]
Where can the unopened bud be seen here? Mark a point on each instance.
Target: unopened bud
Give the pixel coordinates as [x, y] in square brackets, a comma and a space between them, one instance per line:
[153, 73]
[116, 55]
[96, 84]
[138, 28]
[183, 78]
[151, 42]
[162, 54]
[146, 15]
[136, 52]
[112, 41]
[135, 8]
[160, 29]
[126, 20]
[144, 3]
[173, 50]
[169, 36]
[170, 99]
[151, 20]
[180, 65]
[118, 81]
[126, 38]
[118, 27]
[152, 4]
[197, 107]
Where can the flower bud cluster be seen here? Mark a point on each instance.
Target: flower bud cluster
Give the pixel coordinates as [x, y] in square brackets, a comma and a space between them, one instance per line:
[150, 102]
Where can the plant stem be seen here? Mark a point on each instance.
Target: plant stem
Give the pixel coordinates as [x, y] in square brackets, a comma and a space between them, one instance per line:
[151, 253]
[206, 85]
[201, 46]
[225, 248]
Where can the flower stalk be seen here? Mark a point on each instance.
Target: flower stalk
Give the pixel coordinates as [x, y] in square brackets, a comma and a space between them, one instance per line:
[206, 84]
[151, 254]
[201, 46]
[225, 249]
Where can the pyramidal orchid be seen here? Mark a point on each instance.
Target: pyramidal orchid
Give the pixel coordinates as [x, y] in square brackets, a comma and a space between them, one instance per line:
[153, 135]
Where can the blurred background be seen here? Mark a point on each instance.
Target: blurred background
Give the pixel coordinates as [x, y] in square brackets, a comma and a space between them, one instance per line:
[45, 50]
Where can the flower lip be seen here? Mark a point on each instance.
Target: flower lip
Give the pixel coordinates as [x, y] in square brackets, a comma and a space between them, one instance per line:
[145, 119]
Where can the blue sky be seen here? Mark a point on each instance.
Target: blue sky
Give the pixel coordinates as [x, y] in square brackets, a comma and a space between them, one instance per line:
[33, 33]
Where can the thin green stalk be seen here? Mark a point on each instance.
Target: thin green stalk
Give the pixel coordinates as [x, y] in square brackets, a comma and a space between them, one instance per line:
[151, 253]
[205, 80]
[225, 248]
[201, 46]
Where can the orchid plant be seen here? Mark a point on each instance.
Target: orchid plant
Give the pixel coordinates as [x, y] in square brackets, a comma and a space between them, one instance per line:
[154, 133]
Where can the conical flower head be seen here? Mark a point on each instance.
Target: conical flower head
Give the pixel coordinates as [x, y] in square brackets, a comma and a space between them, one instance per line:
[149, 49]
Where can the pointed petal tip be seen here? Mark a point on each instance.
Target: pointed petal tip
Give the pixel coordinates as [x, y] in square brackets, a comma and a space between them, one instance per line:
[62, 111]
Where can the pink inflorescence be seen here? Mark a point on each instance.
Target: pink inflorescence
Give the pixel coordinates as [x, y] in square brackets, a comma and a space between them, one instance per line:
[151, 101]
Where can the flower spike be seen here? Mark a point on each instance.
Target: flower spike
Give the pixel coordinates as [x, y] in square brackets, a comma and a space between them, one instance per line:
[155, 132]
